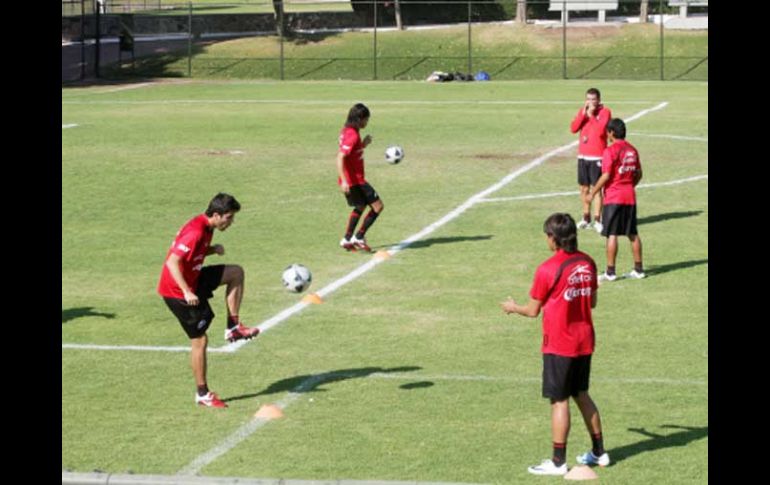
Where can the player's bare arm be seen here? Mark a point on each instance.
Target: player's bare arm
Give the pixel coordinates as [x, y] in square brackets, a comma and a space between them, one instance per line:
[216, 249]
[344, 185]
[596, 188]
[174, 265]
[531, 309]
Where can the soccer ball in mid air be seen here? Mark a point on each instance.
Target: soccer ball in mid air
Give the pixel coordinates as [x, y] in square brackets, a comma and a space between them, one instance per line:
[296, 278]
[394, 154]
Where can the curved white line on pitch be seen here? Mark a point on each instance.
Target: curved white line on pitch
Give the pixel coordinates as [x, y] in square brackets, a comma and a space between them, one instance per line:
[575, 192]
[673, 137]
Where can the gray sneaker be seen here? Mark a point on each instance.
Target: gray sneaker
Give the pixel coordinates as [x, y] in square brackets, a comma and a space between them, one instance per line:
[634, 274]
[607, 277]
[588, 458]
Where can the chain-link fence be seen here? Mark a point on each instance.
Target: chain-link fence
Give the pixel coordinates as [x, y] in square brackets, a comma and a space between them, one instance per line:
[385, 39]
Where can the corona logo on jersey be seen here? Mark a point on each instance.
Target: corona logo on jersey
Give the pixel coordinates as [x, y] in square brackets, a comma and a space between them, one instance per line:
[580, 275]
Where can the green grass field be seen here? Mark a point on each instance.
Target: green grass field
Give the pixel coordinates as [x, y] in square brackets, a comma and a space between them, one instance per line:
[429, 380]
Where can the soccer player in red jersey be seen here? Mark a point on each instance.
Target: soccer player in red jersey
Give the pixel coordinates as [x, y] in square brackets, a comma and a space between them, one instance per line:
[186, 286]
[621, 172]
[591, 121]
[565, 287]
[350, 171]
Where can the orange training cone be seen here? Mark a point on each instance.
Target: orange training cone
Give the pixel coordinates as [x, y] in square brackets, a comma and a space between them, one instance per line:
[312, 298]
[269, 411]
[381, 254]
[581, 472]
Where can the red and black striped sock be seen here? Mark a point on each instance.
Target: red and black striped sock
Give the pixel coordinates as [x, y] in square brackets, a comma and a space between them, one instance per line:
[352, 222]
[232, 321]
[586, 217]
[597, 443]
[559, 453]
[368, 221]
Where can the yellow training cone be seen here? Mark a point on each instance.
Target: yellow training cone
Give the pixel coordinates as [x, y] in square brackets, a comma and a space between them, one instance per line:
[312, 298]
[581, 472]
[269, 411]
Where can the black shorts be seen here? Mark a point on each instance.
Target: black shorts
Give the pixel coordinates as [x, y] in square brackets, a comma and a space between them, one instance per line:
[195, 320]
[619, 220]
[589, 171]
[361, 195]
[565, 376]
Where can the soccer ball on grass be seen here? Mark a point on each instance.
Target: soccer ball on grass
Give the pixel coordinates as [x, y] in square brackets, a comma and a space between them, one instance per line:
[394, 154]
[296, 278]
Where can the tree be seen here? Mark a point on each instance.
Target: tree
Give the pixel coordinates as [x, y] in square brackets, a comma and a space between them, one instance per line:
[281, 26]
[399, 24]
[521, 11]
[643, 12]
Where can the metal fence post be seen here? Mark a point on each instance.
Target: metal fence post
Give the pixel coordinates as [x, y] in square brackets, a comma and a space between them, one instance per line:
[189, 39]
[470, 62]
[564, 40]
[660, 3]
[374, 50]
[82, 39]
[280, 32]
[97, 39]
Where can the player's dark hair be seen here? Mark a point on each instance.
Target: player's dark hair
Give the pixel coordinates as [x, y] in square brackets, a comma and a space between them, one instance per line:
[561, 227]
[222, 204]
[618, 128]
[357, 113]
[594, 91]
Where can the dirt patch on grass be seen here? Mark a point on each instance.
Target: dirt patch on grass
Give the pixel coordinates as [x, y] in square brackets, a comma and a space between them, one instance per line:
[491, 156]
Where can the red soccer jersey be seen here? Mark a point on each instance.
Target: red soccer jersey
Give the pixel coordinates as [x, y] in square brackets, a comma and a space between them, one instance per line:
[568, 329]
[190, 244]
[593, 132]
[621, 161]
[353, 149]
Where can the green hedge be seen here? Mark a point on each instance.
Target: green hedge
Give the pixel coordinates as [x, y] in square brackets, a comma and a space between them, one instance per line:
[414, 12]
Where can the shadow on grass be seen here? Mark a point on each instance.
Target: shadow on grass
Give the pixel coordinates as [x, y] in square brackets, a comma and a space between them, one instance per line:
[656, 270]
[667, 216]
[424, 243]
[311, 382]
[416, 385]
[655, 441]
[82, 311]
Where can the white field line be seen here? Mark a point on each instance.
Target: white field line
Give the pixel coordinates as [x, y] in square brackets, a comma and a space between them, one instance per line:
[332, 102]
[248, 428]
[575, 192]
[69, 125]
[143, 348]
[374, 261]
[481, 378]
[673, 137]
[123, 88]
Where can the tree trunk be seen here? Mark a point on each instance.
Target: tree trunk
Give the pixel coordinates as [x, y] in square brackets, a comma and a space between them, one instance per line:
[281, 25]
[521, 11]
[643, 12]
[399, 24]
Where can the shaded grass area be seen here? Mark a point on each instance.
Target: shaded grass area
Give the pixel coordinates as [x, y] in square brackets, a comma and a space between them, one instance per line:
[505, 51]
